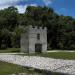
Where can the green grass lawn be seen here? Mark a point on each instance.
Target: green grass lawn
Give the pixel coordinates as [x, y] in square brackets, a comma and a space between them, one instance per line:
[7, 69]
[60, 55]
[56, 55]
[10, 50]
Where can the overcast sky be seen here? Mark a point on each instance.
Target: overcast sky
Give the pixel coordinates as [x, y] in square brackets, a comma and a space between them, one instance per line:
[64, 7]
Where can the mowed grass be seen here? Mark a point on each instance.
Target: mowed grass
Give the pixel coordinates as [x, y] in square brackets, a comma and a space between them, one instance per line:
[56, 55]
[8, 69]
[60, 55]
[10, 50]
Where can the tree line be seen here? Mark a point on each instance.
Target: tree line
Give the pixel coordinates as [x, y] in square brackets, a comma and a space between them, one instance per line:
[61, 29]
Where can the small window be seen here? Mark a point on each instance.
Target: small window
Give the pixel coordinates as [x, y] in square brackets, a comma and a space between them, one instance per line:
[38, 36]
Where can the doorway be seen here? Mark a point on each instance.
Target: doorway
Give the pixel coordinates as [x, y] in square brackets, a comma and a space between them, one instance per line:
[38, 48]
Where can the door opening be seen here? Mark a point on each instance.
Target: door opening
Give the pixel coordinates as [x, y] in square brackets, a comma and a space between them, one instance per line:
[38, 48]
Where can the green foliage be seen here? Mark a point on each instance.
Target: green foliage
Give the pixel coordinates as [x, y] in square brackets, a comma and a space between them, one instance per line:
[5, 38]
[16, 35]
[8, 18]
[61, 29]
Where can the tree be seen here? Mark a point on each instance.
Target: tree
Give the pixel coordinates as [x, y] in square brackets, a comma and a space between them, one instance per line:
[5, 38]
[9, 17]
[16, 35]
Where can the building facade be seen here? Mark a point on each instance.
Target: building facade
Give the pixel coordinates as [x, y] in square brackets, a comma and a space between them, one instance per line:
[34, 39]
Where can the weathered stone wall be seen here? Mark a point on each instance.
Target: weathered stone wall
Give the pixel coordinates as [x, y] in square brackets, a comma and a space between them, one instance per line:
[29, 39]
[33, 38]
[24, 41]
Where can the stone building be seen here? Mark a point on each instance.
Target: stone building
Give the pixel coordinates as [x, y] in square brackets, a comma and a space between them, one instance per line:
[34, 39]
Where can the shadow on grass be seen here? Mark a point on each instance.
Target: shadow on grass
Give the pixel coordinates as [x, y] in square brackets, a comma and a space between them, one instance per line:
[45, 72]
